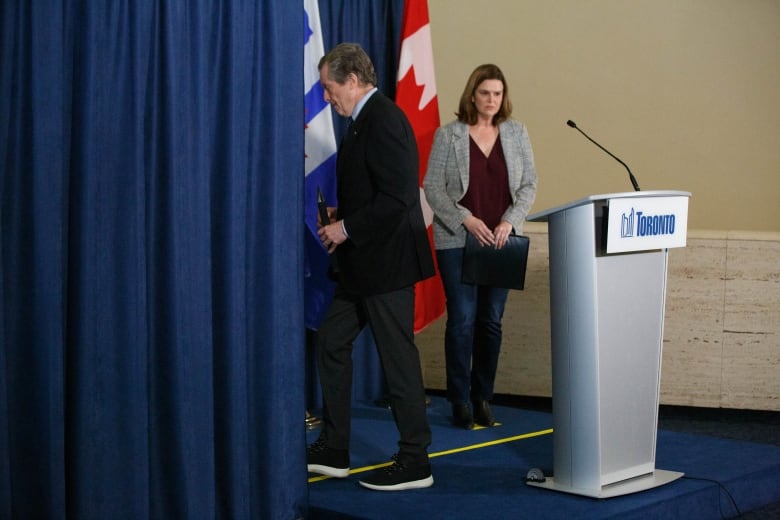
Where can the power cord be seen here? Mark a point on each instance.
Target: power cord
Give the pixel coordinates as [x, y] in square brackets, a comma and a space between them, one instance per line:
[720, 484]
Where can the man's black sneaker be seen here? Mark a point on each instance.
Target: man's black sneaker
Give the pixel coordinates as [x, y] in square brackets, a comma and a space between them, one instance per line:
[327, 461]
[399, 476]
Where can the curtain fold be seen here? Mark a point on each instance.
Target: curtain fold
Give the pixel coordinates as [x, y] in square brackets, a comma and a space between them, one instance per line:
[32, 259]
[150, 260]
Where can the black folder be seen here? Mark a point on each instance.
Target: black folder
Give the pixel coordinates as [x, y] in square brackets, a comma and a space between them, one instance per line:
[486, 265]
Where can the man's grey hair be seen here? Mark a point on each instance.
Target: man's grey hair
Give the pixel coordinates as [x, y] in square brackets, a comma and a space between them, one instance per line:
[349, 58]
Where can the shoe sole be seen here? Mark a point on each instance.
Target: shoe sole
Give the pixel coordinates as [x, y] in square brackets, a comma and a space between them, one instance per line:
[328, 471]
[414, 484]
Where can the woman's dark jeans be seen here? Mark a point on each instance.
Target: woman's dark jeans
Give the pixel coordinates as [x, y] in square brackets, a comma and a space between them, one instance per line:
[472, 338]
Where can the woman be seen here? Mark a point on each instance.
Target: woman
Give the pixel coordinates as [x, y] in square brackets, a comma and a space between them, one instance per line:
[481, 179]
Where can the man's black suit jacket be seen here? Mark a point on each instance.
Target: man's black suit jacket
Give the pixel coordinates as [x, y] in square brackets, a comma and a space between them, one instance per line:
[379, 200]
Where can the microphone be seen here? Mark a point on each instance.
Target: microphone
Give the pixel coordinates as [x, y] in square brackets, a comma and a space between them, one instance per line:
[630, 175]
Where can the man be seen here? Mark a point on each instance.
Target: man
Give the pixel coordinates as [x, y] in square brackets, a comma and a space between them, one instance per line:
[381, 248]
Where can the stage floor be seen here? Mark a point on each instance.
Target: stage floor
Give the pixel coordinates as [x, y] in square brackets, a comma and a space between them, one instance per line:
[481, 474]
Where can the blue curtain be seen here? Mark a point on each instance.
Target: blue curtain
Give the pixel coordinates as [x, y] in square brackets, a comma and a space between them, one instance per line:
[376, 26]
[150, 277]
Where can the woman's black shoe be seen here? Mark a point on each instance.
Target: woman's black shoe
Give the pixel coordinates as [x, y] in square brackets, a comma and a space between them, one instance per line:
[482, 413]
[461, 416]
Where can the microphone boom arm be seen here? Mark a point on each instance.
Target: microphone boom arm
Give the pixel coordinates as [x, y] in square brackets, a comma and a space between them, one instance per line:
[630, 175]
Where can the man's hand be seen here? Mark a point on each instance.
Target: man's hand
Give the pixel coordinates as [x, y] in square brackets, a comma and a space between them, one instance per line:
[332, 235]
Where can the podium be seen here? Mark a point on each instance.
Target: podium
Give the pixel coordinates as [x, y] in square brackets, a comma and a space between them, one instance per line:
[608, 265]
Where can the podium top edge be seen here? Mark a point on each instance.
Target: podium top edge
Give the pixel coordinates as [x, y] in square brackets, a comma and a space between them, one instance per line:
[541, 216]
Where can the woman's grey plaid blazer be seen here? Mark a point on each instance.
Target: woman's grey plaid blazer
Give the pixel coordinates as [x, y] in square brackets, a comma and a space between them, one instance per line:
[447, 179]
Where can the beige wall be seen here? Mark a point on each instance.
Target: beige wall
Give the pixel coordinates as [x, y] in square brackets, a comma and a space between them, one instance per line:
[686, 92]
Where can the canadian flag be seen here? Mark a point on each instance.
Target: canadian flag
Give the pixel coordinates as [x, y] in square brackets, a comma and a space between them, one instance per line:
[416, 95]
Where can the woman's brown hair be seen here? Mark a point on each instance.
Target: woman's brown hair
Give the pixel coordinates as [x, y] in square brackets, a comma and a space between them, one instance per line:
[467, 111]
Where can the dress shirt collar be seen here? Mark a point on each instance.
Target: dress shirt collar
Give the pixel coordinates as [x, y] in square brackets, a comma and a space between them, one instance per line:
[360, 104]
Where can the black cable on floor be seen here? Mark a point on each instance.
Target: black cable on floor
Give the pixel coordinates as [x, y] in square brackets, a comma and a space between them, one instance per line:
[733, 502]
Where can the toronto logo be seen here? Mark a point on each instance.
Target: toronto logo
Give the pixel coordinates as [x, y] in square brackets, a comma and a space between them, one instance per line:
[636, 223]
[627, 225]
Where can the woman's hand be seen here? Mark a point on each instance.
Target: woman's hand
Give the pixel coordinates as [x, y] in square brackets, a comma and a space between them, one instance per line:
[501, 234]
[481, 232]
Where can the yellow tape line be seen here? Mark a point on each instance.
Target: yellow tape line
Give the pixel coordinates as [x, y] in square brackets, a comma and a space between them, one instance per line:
[446, 452]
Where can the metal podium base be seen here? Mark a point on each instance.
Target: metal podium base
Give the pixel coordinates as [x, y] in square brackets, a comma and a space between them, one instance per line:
[625, 487]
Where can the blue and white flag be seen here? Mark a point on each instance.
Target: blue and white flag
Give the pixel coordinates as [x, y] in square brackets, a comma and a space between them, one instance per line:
[320, 169]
